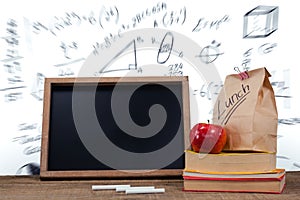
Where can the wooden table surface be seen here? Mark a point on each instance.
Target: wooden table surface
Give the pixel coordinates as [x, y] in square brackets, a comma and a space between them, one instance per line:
[31, 187]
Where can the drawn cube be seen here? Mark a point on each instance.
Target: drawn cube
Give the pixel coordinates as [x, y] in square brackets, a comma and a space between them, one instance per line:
[260, 22]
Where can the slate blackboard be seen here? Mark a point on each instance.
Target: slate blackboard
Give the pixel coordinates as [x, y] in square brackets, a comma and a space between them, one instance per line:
[66, 153]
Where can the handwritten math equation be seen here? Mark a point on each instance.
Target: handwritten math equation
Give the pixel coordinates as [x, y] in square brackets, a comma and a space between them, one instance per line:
[12, 63]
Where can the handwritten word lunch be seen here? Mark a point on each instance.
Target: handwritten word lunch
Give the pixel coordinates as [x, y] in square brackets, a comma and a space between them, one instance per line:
[233, 102]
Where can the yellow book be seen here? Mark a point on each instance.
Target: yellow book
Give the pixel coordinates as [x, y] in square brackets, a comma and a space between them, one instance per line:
[232, 163]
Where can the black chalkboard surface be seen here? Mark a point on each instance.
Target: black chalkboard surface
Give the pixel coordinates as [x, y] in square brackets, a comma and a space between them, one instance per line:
[101, 127]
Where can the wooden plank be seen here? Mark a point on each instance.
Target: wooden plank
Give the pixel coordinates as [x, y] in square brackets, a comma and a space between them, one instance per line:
[45, 125]
[31, 187]
[140, 174]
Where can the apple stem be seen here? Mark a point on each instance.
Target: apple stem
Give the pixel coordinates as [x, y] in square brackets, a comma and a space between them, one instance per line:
[208, 121]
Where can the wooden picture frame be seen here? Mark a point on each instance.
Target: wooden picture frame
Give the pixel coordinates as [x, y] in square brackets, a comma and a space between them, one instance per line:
[48, 133]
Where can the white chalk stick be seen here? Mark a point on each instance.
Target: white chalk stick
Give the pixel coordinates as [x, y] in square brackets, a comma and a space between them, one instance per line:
[144, 191]
[123, 189]
[107, 187]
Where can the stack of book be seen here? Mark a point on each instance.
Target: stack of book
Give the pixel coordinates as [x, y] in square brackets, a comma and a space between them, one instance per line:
[233, 172]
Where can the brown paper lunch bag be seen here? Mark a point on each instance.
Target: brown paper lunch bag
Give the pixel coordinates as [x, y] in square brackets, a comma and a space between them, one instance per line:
[247, 110]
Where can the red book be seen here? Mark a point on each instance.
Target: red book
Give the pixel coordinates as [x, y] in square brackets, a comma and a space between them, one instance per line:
[271, 182]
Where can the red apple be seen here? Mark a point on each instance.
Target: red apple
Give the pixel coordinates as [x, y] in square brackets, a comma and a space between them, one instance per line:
[207, 138]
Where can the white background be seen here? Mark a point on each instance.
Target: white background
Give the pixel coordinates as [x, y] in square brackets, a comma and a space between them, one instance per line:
[39, 52]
